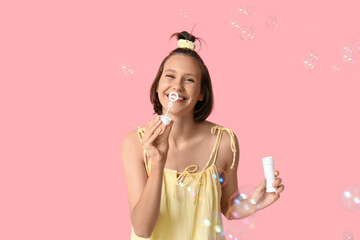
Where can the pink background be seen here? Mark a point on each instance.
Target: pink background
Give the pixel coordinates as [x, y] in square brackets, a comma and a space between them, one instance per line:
[65, 106]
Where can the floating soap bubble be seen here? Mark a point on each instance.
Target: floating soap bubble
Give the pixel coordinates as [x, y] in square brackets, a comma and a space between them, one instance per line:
[272, 22]
[223, 178]
[239, 202]
[348, 58]
[247, 11]
[235, 25]
[336, 68]
[347, 236]
[234, 229]
[126, 69]
[214, 223]
[246, 33]
[349, 198]
[183, 14]
[347, 49]
[310, 60]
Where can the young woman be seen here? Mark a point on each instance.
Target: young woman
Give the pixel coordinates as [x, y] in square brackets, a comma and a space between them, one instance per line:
[174, 172]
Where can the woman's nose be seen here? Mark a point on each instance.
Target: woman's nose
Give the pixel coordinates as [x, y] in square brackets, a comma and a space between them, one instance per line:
[177, 85]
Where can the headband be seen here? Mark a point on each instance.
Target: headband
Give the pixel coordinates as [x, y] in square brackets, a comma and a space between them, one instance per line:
[182, 43]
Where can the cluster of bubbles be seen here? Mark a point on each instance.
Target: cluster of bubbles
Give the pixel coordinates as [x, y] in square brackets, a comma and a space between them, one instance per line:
[126, 69]
[183, 14]
[310, 60]
[349, 198]
[246, 32]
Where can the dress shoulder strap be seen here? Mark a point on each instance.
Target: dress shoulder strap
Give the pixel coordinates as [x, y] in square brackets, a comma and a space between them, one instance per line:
[219, 131]
[147, 159]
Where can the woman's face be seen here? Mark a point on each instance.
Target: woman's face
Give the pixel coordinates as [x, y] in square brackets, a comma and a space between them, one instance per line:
[181, 74]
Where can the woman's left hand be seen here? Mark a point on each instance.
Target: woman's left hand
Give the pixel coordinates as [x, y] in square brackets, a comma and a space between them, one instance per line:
[264, 199]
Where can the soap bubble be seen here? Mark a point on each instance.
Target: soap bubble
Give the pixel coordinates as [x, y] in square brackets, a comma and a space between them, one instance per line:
[347, 236]
[336, 68]
[235, 25]
[183, 14]
[348, 58]
[126, 69]
[223, 178]
[236, 228]
[246, 33]
[349, 198]
[347, 49]
[348, 52]
[240, 201]
[214, 222]
[272, 22]
[247, 11]
[310, 60]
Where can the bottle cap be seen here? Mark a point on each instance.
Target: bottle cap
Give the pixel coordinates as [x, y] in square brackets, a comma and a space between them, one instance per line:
[268, 160]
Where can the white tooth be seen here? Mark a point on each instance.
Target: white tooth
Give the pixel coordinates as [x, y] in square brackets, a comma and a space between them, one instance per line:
[180, 98]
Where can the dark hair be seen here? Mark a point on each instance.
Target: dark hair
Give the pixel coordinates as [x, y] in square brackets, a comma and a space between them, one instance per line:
[202, 108]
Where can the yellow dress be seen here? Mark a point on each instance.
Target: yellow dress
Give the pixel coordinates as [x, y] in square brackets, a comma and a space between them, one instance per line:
[190, 203]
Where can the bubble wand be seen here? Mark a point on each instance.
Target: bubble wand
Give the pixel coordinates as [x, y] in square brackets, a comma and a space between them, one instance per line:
[173, 96]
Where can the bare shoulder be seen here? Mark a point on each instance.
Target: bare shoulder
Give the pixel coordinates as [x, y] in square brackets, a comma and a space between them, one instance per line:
[228, 144]
[131, 143]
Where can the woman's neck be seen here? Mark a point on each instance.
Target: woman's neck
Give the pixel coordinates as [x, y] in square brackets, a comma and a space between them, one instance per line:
[184, 128]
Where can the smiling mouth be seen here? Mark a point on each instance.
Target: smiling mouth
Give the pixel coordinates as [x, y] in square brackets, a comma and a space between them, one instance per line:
[180, 99]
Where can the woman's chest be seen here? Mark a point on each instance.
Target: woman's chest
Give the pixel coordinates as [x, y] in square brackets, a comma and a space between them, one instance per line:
[201, 155]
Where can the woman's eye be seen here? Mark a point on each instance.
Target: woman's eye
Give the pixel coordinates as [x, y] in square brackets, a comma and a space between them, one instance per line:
[189, 80]
[170, 76]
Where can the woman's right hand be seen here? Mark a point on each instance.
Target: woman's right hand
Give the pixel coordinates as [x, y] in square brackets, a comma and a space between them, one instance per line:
[156, 140]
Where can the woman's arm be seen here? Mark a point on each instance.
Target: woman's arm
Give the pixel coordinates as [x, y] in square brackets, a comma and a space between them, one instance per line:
[232, 205]
[144, 192]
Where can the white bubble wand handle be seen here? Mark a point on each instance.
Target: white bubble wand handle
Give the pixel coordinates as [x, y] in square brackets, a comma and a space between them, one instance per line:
[173, 96]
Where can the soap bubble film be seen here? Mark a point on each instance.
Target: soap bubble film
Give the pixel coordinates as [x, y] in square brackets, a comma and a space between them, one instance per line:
[349, 198]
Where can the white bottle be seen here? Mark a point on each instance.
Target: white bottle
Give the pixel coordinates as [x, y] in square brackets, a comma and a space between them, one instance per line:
[268, 164]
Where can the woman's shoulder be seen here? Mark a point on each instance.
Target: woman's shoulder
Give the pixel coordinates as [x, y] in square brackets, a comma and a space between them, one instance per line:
[132, 137]
[213, 126]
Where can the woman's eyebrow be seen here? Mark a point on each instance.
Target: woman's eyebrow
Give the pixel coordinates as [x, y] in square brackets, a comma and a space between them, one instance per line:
[173, 71]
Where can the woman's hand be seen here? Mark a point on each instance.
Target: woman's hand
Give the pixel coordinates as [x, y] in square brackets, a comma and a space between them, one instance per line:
[264, 199]
[156, 140]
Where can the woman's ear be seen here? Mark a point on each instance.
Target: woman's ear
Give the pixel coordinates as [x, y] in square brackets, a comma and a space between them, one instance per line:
[201, 97]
